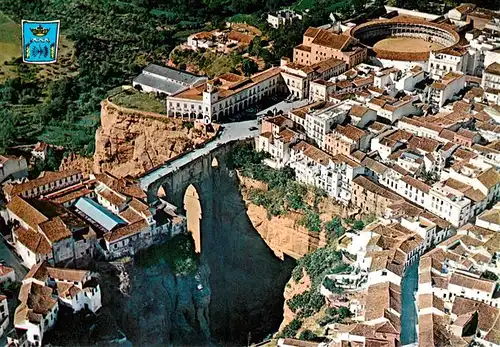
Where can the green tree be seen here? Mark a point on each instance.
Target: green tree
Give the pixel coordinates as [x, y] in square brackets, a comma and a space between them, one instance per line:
[358, 225]
[292, 328]
[7, 130]
[311, 221]
[249, 67]
[308, 335]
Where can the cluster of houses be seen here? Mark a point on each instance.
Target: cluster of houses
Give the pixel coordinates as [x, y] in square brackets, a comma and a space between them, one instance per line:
[236, 37]
[453, 173]
[456, 299]
[457, 302]
[44, 293]
[63, 219]
[418, 146]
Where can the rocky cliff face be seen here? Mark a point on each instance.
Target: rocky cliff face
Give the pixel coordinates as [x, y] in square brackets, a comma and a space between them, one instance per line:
[130, 142]
[153, 307]
[283, 234]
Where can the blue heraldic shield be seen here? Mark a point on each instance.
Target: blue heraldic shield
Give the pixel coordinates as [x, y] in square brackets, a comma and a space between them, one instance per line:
[40, 41]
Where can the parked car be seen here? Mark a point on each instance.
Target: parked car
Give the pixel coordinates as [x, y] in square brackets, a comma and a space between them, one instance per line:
[253, 128]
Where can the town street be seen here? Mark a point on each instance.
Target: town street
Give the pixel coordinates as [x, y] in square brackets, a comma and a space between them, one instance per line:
[409, 319]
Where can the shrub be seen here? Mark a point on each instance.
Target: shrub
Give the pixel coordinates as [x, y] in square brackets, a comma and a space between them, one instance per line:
[358, 225]
[307, 303]
[334, 229]
[308, 335]
[329, 284]
[188, 125]
[489, 275]
[291, 329]
[311, 221]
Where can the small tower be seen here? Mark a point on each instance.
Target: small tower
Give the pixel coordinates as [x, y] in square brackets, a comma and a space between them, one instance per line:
[210, 94]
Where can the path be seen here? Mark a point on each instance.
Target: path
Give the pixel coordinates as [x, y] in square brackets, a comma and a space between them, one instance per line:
[409, 317]
[12, 260]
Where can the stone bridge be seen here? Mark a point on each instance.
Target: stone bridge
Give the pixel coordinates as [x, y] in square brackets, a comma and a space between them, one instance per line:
[246, 278]
[187, 182]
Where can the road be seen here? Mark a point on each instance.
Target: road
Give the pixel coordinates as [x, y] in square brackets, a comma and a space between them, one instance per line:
[231, 132]
[284, 106]
[409, 319]
[12, 260]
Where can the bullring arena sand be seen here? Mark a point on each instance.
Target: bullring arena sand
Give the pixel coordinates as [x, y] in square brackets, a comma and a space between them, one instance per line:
[407, 44]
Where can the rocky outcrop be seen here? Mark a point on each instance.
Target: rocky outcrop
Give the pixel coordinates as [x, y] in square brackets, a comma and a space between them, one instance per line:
[293, 288]
[154, 307]
[283, 234]
[130, 142]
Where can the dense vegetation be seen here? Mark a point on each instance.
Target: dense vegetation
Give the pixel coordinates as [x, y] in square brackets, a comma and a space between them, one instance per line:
[112, 41]
[178, 252]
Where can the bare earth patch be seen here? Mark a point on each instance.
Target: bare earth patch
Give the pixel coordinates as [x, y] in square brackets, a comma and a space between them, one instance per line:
[407, 44]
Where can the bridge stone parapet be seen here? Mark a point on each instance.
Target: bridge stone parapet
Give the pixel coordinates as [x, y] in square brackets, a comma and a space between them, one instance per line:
[174, 182]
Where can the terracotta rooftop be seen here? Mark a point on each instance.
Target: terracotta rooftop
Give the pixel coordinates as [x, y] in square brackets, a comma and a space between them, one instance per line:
[126, 185]
[382, 297]
[68, 275]
[331, 40]
[25, 211]
[470, 282]
[375, 188]
[489, 178]
[313, 153]
[422, 186]
[47, 178]
[351, 132]
[424, 144]
[125, 231]
[487, 315]
[277, 120]
[493, 68]
[55, 230]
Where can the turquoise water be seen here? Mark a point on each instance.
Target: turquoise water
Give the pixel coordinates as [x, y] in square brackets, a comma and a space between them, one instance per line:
[409, 286]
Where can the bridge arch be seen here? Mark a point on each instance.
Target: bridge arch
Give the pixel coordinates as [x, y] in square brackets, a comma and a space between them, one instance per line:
[192, 206]
[215, 162]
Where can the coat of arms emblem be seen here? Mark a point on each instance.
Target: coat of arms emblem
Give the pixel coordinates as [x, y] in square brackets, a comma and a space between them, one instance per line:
[40, 41]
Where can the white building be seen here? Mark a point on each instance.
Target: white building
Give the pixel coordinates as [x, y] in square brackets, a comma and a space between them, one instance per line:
[444, 89]
[166, 80]
[275, 138]
[483, 50]
[11, 167]
[298, 77]
[319, 122]
[453, 59]
[491, 77]
[4, 315]
[394, 109]
[394, 80]
[282, 17]
[333, 174]
[44, 290]
[490, 219]
[471, 287]
[448, 203]
[225, 95]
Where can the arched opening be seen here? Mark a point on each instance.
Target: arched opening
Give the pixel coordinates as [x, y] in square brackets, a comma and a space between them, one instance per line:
[161, 192]
[215, 162]
[192, 206]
